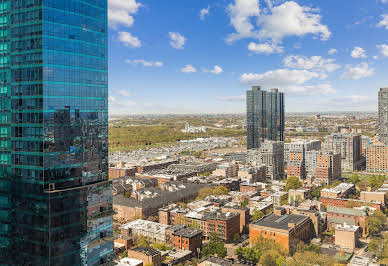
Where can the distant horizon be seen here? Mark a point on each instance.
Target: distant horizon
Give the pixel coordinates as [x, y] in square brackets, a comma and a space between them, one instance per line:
[242, 113]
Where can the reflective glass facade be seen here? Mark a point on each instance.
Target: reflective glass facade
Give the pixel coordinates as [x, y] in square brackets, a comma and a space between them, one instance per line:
[55, 196]
[265, 116]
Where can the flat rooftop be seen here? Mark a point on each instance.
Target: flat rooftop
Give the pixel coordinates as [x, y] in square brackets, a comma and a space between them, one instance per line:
[280, 221]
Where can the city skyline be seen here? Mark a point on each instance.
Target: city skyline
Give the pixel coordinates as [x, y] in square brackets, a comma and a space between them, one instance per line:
[202, 56]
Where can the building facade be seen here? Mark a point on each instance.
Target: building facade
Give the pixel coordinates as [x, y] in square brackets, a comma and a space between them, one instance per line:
[285, 230]
[271, 154]
[349, 146]
[377, 159]
[328, 167]
[383, 115]
[55, 196]
[265, 116]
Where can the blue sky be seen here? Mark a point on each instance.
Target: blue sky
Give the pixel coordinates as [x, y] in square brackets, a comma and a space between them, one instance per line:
[200, 56]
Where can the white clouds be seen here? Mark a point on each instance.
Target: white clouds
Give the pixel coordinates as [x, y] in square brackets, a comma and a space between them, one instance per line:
[145, 63]
[313, 62]
[204, 12]
[384, 21]
[231, 98]
[290, 81]
[129, 40]
[273, 24]
[358, 52]
[120, 12]
[265, 48]
[332, 51]
[383, 48]
[384, 1]
[216, 70]
[241, 12]
[279, 77]
[358, 71]
[124, 93]
[188, 69]
[291, 19]
[177, 40]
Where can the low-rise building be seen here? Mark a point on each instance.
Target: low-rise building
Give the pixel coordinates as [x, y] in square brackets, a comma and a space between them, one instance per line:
[146, 202]
[245, 217]
[152, 231]
[343, 190]
[285, 229]
[215, 261]
[350, 216]
[252, 186]
[147, 255]
[296, 195]
[130, 262]
[185, 238]
[347, 236]
[373, 197]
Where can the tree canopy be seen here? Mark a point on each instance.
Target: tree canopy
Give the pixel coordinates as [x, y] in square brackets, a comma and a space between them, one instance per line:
[292, 182]
[215, 247]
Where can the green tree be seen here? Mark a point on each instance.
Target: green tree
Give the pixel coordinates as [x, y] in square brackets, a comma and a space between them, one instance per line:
[283, 200]
[207, 191]
[214, 247]
[272, 258]
[292, 182]
[125, 254]
[244, 203]
[376, 181]
[257, 215]
[375, 222]
[354, 179]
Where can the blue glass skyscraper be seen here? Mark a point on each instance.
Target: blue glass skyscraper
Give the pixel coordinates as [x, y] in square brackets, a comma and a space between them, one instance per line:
[265, 116]
[55, 196]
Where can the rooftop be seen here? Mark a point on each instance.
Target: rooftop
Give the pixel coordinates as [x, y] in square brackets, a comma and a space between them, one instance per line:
[129, 262]
[188, 232]
[280, 221]
[218, 261]
[341, 188]
[347, 211]
[347, 227]
[145, 226]
[148, 251]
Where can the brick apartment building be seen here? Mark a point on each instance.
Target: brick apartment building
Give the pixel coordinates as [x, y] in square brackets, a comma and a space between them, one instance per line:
[296, 168]
[183, 237]
[116, 172]
[343, 203]
[285, 229]
[328, 167]
[377, 159]
[245, 217]
[147, 255]
[248, 186]
[225, 225]
[350, 216]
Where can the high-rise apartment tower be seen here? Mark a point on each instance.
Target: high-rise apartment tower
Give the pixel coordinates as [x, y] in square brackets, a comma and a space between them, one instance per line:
[383, 115]
[55, 196]
[265, 116]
